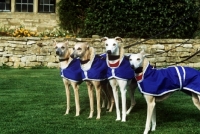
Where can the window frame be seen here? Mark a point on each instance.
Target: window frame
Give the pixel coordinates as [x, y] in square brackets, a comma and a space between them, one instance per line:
[49, 6]
[27, 4]
[5, 7]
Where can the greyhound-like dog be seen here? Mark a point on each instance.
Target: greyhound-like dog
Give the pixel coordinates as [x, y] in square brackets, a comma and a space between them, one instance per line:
[70, 71]
[159, 84]
[119, 74]
[94, 74]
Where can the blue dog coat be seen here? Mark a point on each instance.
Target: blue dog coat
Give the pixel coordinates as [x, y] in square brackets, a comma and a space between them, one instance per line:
[97, 71]
[73, 71]
[158, 82]
[121, 70]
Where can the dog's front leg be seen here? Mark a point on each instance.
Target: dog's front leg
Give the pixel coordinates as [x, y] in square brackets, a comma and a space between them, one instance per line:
[113, 84]
[122, 87]
[67, 91]
[150, 109]
[91, 98]
[98, 97]
[76, 96]
[153, 121]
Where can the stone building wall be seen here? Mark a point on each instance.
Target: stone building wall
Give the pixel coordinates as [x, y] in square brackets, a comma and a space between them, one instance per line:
[29, 52]
[32, 21]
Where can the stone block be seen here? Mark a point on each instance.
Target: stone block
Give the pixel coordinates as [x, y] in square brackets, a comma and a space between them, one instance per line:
[32, 64]
[29, 58]
[52, 65]
[14, 59]
[19, 64]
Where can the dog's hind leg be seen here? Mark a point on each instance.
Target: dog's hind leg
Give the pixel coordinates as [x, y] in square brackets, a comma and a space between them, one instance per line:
[91, 98]
[67, 91]
[76, 96]
[196, 100]
[108, 94]
[113, 84]
[132, 85]
[150, 109]
[111, 99]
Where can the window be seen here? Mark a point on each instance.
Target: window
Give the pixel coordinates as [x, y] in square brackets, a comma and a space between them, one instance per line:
[46, 6]
[24, 6]
[5, 5]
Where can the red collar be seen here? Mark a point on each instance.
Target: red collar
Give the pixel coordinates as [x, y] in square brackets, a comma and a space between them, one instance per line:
[114, 64]
[139, 77]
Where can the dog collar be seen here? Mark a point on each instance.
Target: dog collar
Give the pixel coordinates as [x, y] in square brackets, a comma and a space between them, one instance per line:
[84, 61]
[63, 59]
[113, 57]
[139, 77]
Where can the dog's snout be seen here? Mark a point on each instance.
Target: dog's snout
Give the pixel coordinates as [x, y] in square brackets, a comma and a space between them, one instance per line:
[109, 52]
[57, 52]
[72, 56]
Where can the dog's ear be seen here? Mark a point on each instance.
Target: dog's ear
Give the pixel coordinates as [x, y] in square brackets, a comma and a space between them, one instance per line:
[119, 39]
[104, 39]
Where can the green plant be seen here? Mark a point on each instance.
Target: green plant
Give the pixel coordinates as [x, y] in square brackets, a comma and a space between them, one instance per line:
[141, 18]
[72, 15]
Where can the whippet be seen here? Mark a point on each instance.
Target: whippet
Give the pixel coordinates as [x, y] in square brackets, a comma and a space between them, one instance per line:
[119, 74]
[70, 72]
[159, 84]
[94, 73]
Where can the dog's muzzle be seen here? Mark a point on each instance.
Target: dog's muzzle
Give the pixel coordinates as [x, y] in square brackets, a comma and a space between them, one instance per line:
[58, 53]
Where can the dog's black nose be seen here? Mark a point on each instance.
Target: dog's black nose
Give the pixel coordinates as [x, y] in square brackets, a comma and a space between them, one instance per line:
[72, 56]
[109, 52]
[57, 52]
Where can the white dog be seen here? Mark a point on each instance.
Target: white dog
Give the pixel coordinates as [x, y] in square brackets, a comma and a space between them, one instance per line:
[158, 84]
[119, 74]
[94, 74]
[70, 71]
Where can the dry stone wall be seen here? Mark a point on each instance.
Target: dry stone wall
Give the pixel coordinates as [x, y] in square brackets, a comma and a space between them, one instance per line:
[29, 52]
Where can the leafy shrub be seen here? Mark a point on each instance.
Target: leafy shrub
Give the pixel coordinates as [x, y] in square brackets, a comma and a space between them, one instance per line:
[72, 15]
[140, 18]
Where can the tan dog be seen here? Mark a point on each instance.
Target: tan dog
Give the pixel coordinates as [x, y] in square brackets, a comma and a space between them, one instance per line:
[159, 84]
[94, 73]
[71, 73]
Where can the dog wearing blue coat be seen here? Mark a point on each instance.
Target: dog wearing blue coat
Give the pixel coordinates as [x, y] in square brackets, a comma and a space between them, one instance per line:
[94, 71]
[159, 84]
[70, 72]
[119, 74]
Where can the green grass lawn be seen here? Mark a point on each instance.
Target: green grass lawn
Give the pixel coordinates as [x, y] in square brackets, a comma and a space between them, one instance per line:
[33, 101]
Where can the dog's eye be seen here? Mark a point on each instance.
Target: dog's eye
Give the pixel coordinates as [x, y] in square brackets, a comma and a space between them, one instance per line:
[138, 59]
[79, 48]
[114, 44]
[106, 44]
[56, 47]
[63, 47]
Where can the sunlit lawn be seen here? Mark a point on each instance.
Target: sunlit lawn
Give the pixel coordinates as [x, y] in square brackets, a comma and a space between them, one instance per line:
[33, 102]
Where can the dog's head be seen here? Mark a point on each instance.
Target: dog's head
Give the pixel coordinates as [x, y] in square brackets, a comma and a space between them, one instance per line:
[80, 48]
[136, 60]
[112, 45]
[61, 48]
